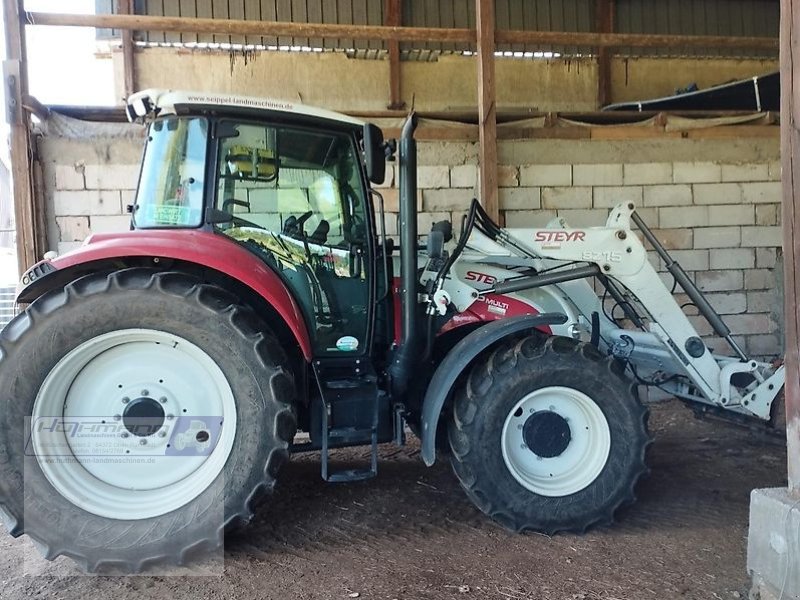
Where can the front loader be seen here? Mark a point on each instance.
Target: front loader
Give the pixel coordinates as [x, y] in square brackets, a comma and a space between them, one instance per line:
[159, 378]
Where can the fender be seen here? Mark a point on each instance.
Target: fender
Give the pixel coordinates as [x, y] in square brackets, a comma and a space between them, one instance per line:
[459, 358]
[202, 248]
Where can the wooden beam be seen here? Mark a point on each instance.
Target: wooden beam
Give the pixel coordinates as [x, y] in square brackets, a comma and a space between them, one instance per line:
[254, 28]
[790, 177]
[125, 7]
[402, 34]
[637, 40]
[393, 11]
[487, 108]
[604, 22]
[27, 216]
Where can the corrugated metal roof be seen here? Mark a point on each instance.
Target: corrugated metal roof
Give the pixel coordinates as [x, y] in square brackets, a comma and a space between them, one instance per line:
[759, 18]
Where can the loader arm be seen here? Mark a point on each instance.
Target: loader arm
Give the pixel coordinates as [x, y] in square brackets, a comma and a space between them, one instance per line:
[565, 257]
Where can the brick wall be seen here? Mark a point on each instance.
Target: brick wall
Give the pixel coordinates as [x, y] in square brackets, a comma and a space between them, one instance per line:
[715, 204]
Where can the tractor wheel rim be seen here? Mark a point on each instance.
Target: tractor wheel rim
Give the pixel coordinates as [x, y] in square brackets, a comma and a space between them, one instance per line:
[133, 424]
[570, 433]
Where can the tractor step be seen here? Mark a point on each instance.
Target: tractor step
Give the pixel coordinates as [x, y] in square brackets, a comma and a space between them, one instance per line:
[349, 402]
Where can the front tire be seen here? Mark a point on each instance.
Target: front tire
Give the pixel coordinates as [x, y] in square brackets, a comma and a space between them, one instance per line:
[548, 435]
[189, 400]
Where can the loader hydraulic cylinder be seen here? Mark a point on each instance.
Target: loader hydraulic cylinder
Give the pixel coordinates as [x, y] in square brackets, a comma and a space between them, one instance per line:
[694, 293]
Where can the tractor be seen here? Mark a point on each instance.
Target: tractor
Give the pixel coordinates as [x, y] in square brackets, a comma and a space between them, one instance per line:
[158, 379]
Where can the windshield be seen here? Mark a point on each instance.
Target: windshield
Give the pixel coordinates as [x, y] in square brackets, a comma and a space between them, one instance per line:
[171, 184]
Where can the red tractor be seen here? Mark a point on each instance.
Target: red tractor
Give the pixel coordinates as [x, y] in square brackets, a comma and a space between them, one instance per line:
[158, 379]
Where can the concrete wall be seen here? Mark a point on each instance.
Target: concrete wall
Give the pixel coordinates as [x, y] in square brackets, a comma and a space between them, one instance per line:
[337, 82]
[716, 204]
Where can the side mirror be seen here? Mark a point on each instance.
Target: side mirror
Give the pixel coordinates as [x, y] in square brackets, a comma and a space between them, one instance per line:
[435, 244]
[374, 153]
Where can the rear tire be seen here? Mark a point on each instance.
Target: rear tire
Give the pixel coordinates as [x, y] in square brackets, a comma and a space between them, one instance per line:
[548, 435]
[189, 338]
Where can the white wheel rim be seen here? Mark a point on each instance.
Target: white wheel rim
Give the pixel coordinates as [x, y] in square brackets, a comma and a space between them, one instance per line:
[88, 441]
[586, 452]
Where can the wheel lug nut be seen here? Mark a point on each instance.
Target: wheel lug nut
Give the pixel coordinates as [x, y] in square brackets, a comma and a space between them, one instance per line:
[125, 400]
[117, 417]
[523, 446]
[170, 417]
[163, 399]
[519, 426]
[142, 442]
[124, 434]
[145, 393]
[162, 434]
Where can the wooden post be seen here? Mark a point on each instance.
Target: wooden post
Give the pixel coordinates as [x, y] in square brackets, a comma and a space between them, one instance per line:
[604, 20]
[790, 168]
[487, 108]
[393, 18]
[125, 7]
[30, 239]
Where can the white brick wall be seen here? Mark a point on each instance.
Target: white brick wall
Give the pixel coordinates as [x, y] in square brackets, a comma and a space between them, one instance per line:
[90, 198]
[721, 219]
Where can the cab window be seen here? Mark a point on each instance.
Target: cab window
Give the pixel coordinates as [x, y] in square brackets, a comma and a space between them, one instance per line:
[295, 197]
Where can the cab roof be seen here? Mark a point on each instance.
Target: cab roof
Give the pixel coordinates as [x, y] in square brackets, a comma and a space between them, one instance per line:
[152, 102]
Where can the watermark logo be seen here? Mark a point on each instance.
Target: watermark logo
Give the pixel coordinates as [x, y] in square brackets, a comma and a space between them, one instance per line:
[133, 437]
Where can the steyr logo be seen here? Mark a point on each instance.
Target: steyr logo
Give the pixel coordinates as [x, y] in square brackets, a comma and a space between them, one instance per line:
[560, 236]
[480, 277]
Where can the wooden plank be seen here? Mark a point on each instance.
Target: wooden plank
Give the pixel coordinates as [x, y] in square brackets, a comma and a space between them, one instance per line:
[314, 15]
[731, 133]
[623, 133]
[360, 19]
[236, 11]
[604, 23]
[393, 12]
[31, 242]
[790, 169]
[487, 109]
[128, 56]
[300, 15]
[220, 11]
[329, 15]
[636, 40]
[205, 11]
[283, 10]
[269, 13]
[172, 9]
[544, 133]
[252, 12]
[344, 10]
[186, 8]
[228, 27]
[447, 19]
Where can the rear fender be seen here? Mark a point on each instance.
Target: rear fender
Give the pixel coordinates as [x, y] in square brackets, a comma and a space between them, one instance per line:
[459, 359]
[201, 248]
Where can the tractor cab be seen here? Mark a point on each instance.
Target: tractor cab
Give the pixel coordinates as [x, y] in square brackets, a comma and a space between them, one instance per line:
[291, 186]
[292, 193]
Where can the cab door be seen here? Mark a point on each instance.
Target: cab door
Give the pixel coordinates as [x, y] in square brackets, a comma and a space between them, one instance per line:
[296, 197]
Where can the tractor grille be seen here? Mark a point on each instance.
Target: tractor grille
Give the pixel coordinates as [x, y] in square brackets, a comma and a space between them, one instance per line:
[7, 307]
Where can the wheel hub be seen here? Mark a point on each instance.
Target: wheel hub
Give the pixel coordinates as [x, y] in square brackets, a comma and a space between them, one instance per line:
[547, 434]
[143, 417]
[555, 441]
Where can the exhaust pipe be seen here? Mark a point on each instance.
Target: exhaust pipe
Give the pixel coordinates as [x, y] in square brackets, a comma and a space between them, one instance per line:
[405, 357]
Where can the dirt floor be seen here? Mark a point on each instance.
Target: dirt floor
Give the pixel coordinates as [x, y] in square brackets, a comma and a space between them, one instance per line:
[411, 533]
